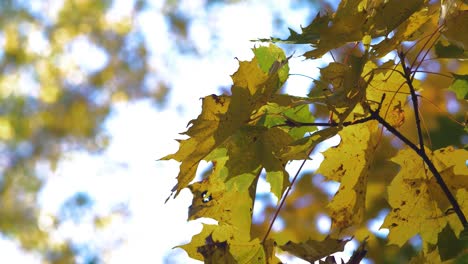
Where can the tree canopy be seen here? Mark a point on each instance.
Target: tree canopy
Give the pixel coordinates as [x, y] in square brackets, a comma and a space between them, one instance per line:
[398, 69]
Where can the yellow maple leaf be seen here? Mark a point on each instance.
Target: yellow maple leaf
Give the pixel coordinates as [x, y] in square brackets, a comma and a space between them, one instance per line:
[229, 202]
[418, 206]
[220, 244]
[405, 30]
[347, 163]
[386, 80]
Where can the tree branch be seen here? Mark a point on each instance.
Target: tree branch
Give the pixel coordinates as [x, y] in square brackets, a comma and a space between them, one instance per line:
[421, 151]
[429, 163]
[374, 115]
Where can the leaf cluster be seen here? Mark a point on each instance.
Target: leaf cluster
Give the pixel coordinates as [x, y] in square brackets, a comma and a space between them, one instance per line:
[369, 100]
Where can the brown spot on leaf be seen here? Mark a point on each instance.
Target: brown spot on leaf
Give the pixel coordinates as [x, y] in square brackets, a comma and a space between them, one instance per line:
[340, 167]
[217, 99]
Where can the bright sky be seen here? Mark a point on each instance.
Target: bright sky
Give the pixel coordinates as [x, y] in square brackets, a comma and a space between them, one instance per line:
[128, 171]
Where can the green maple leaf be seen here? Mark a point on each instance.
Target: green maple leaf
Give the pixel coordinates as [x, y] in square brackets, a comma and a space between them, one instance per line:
[444, 49]
[460, 86]
[275, 115]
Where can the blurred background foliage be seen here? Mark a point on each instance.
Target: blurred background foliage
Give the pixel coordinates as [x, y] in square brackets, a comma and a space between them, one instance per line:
[52, 102]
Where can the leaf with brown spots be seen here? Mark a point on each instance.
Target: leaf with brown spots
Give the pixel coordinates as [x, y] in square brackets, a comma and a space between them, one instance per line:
[348, 164]
[418, 205]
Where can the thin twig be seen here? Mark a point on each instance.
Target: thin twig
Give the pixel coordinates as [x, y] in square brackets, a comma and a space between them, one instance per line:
[283, 199]
[435, 73]
[423, 47]
[292, 123]
[414, 99]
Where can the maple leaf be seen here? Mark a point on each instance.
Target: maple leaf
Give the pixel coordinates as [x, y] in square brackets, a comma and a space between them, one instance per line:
[443, 49]
[328, 32]
[460, 86]
[252, 148]
[387, 80]
[347, 163]
[432, 257]
[256, 129]
[454, 32]
[220, 244]
[346, 26]
[312, 250]
[417, 205]
[341, 86]
[388, 15]
[275, 115]
[229, 202]
[222, 116]
[409, 19]
[355, 20]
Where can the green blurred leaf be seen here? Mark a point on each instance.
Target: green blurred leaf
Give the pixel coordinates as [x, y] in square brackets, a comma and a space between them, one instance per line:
[460, 86]
[448, 50]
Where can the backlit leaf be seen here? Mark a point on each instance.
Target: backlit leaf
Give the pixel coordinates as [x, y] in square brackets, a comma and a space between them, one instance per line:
[348, 163]
[460, 86]
[341, 86]
[406, 30]
[387, 80]
[312, 250]
[252, 148]
[219, 244]
[269, 57]
[223, 115]
[417, 205]
[391, 14]
[228, 202]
